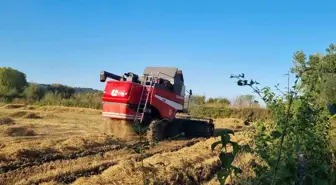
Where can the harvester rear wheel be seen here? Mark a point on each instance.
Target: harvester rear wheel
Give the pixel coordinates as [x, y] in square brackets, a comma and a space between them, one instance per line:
[156, 130]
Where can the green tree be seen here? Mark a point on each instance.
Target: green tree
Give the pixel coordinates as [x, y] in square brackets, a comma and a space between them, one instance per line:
[318, 73]
[62, 90]
[12, 82]
[328, 91]
[222, 101]
[34, 92]
[198, 100]
[211, 100]
[295, 143]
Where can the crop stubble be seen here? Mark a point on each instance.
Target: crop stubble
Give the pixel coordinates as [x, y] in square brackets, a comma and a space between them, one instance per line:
[85, 160]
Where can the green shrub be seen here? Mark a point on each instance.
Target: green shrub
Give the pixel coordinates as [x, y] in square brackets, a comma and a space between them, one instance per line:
[252, 114]
[86, 100]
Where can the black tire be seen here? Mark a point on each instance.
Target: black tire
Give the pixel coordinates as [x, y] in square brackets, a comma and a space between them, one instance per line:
[156, 130]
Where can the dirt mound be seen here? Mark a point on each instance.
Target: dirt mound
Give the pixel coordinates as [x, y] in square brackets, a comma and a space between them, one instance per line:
[19, 131]
[25, 114]
[14, 106]
[6, 121]
[32, 116]
[30, 108]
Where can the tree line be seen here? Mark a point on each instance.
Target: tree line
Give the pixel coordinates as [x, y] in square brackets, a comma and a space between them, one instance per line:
[15, 88]
[246, 100]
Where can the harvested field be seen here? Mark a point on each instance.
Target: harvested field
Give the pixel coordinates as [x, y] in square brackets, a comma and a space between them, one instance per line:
[62, 145]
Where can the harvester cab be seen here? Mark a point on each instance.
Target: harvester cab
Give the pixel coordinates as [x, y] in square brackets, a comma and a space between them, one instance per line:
[157, 100]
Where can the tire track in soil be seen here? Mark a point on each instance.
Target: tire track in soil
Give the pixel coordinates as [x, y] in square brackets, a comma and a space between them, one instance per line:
[71, 177]
[17, 165]
[49, 157]
[200, 165]
[200, 175]
[195, 172]
[50, 170]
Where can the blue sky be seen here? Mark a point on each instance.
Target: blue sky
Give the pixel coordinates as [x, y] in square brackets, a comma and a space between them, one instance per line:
[71, 41]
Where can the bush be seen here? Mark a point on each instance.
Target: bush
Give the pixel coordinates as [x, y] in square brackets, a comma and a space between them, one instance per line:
[34, 92]
[86, 100]
[252, 114]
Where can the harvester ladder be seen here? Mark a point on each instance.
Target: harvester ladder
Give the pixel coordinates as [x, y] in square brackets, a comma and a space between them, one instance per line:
[145, 93]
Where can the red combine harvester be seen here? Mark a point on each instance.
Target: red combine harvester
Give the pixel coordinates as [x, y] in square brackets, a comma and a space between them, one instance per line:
[157, 100]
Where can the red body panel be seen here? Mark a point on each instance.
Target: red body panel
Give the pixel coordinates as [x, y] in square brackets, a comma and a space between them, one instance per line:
[121, 98]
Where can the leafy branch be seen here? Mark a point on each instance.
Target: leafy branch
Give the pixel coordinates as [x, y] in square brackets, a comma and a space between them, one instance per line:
[226, 157]
[271, 100]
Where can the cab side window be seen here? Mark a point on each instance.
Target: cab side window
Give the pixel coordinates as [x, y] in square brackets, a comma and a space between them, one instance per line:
[182, 91]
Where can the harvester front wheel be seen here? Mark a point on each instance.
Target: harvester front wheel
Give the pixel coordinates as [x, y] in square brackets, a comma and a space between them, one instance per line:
[156, 130]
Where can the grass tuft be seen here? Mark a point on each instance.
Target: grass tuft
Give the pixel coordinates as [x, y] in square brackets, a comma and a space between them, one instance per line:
[19, 131]
[18, 114]
[30, 108]
[32, 116]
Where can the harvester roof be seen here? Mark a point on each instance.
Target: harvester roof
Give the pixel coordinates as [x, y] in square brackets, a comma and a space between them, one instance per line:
[165, 72]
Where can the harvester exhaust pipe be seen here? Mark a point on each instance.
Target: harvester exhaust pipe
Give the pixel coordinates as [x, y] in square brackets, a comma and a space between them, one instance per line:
[104, 75]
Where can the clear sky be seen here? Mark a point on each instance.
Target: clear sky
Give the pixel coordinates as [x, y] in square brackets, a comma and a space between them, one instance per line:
[71, 41]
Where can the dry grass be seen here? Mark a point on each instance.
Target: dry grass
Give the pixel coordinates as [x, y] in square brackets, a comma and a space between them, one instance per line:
[62, 128]
[69, 144]
[18, 114]
[60, 109]
[177, 167]
[25, 114]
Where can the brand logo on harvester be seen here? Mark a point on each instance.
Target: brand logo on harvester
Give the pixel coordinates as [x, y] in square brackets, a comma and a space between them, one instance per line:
[114, 92]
